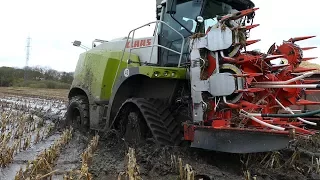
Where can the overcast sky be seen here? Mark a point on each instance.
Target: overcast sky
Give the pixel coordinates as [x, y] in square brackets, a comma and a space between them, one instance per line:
[53, 25]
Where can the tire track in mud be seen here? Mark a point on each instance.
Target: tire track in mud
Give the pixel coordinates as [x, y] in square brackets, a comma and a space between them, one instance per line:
[70, 155]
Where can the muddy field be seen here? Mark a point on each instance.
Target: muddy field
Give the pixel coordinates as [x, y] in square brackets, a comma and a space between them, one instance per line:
[33, 145]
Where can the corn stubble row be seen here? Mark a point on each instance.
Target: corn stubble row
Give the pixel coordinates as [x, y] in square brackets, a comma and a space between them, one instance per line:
[43, 165]
[133, 170]
[185, 172]
[86, 156]
[18, 132]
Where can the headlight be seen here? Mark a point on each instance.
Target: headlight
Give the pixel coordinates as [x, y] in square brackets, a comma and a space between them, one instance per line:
[156, 74]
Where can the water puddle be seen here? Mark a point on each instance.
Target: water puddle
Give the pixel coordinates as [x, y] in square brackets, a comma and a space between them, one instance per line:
[21, 159]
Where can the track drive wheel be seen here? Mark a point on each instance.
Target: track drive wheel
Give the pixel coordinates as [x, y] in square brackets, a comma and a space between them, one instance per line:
[142, 119]
[78, 113]
[133, 126]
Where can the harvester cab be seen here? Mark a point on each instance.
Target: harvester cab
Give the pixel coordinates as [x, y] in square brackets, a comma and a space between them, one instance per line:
[194, 81]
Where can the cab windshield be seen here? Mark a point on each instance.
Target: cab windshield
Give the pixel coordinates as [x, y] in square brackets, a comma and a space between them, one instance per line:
[187, 11]
[184, 21]
[211, 10]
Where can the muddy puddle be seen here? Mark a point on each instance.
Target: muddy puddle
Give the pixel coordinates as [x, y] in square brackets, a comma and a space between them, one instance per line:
[48, 108]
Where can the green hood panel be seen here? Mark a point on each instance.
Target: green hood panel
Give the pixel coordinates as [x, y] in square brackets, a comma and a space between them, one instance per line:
[96, 72]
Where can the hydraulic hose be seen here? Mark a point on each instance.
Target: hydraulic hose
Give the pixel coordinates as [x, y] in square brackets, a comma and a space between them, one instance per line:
[292, 115]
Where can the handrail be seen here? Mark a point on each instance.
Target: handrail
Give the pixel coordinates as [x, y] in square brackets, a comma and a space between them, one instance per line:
[157, 46]
[156, 29]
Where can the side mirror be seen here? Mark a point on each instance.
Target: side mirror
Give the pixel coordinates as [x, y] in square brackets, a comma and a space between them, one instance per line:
[77, 43]
[171, 6]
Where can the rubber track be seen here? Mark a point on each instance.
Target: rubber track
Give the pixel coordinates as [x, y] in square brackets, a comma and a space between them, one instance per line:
[165, 129]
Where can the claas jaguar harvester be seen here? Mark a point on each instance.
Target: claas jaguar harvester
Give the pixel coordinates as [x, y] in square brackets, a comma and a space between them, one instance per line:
[194, 82]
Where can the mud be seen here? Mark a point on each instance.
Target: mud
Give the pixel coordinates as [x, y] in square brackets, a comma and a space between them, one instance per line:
[70, 157]
[157, 162]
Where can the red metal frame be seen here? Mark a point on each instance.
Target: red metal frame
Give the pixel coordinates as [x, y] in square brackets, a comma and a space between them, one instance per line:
[257, 67]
